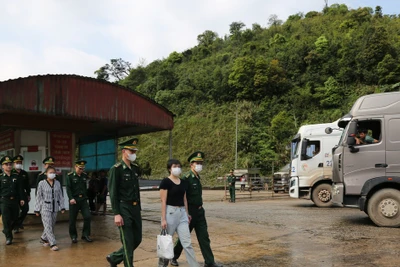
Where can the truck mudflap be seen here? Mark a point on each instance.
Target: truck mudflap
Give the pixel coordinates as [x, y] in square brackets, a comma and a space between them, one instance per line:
[361, 202]
[337, 193]
[294, 187]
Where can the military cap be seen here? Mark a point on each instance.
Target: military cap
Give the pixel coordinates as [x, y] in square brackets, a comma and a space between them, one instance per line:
[6, 159]
[130, 144]
[18, 158]
[232, 170]
[49, 160]
[80, 163]
[196, 156]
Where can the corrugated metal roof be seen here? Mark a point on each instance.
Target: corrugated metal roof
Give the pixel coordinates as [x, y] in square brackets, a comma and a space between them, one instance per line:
[89, 104]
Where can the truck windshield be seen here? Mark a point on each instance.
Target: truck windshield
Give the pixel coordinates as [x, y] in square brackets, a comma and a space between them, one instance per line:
[343, 134]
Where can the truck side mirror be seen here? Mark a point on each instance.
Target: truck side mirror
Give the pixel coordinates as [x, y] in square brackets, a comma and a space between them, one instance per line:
[351, 141]
[328, 130]
[303, 154]
[351, 133]
[353, 149]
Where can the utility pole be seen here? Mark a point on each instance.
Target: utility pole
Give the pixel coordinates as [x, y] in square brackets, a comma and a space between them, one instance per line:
[272, 169]
[170, 144]
[236, 142]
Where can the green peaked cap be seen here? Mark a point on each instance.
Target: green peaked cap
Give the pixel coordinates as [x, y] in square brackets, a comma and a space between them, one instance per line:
[131, 144]
[196, 156]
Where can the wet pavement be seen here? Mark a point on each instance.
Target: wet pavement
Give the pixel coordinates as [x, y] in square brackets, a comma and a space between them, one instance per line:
[262, 231]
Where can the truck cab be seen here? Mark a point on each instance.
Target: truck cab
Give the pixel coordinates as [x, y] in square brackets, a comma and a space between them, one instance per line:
[311, 167]
[366, 162]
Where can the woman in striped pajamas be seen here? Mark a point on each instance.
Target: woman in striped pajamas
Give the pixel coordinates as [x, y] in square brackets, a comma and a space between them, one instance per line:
[49, 200]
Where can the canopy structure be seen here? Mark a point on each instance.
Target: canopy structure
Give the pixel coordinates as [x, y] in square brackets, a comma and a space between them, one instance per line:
[92, 109]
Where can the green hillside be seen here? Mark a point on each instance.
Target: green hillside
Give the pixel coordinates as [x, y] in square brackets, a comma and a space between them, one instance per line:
[308, 69]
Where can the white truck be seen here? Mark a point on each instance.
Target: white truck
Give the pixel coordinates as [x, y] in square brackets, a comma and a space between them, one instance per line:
[311, 166]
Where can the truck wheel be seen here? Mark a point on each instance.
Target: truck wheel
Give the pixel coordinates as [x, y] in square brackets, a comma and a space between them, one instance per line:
[383, 208]
[322, 195]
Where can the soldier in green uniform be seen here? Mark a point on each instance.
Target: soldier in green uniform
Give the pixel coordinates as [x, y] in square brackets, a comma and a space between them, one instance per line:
[231, 182]
[11, 194]
[196, 210]
[123, 186]
[78, 201]
[49, 161]
[1, 172]
[26, 188]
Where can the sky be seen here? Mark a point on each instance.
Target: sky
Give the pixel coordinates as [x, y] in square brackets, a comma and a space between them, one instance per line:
[78, 37]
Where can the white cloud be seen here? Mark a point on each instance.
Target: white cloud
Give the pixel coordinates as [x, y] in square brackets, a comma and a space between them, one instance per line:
[49, 36]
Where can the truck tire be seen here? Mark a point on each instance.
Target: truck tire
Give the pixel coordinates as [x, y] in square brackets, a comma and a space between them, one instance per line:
[384, 208]
[322, 195]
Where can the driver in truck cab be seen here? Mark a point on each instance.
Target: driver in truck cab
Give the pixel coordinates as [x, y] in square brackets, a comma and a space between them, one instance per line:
[364, 138]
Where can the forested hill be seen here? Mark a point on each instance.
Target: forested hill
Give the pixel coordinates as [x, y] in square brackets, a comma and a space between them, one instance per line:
[308, 69]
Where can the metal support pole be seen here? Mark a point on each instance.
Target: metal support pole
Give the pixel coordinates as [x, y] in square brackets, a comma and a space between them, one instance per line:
[236, 142]
[170, 144]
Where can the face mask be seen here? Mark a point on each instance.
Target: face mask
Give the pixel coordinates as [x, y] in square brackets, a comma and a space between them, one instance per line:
[51, 175]
[198, 168]
[132, 157]
[18, 166]
[176, 171]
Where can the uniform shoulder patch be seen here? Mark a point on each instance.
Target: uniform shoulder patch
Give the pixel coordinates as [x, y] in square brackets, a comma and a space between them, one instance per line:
[70, 173]
[186, 175]
[117, 164]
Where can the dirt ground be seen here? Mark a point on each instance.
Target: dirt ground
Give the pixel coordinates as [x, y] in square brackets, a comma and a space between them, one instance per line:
[262, 231]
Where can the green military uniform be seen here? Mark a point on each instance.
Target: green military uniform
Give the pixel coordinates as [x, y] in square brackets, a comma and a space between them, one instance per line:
[76, 189]
[196, 210]
[124, 191]
[10, 194]
[1, 172]
[231, 182]
[26, 189]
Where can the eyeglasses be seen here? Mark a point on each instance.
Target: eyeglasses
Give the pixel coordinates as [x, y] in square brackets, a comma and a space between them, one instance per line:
[8, 164]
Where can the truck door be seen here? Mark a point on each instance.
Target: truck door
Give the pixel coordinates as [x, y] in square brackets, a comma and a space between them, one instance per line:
[312, 163]
[327, 144]
[370, 159]
[392, 123]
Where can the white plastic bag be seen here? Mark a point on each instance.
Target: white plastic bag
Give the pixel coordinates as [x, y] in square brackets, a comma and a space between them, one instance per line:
[165, 246]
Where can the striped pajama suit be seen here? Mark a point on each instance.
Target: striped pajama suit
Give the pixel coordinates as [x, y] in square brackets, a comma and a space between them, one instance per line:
[49, 200]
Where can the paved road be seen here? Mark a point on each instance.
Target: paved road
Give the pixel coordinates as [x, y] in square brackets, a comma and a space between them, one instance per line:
[262, 231]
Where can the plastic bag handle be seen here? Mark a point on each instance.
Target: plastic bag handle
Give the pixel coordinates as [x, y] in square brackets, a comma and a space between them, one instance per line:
[163, 232]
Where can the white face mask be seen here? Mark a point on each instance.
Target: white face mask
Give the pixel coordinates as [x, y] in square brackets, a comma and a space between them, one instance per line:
[176, 171]
[51, 175]
[198, 168]
[132, 157]
[18, 166]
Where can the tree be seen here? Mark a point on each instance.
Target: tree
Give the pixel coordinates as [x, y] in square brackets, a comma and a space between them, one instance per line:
[207, 38]
[236, 28]
[118, 69]
[273, 20]
[388, 70]
[242, 77]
